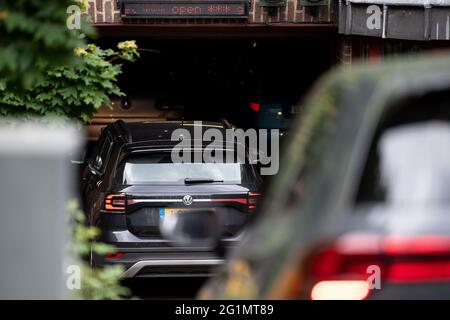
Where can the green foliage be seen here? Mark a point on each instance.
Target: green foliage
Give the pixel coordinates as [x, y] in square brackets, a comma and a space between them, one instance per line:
[35, 37]
[48, 72]
[96, 283]
[74, 91]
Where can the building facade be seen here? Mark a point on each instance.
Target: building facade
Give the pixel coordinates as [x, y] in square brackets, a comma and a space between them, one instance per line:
[290, 11]
[377, 28]
[251, 61]
[248, 61]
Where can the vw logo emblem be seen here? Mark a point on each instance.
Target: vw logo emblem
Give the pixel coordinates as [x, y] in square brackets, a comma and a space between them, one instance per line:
[187, 200]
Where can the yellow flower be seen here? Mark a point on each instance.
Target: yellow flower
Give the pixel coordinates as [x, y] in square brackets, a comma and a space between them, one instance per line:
[80, 52]
[127, 45]
[91, 47]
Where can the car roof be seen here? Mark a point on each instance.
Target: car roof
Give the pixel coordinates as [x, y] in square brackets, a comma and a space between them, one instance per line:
[139, 132]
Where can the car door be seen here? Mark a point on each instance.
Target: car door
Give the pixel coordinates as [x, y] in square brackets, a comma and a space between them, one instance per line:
[94, 174]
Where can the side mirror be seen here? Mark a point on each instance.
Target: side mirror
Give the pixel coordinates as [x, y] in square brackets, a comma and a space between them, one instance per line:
[192, 229]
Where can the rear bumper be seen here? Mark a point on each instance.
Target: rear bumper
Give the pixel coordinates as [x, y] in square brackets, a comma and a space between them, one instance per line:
[172, 268]
[159, 258]
[163, 263]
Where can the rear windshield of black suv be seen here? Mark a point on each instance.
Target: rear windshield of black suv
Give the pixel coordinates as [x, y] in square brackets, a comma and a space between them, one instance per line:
[158, 168]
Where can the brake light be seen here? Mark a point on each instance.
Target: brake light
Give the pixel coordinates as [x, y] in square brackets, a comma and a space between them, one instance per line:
[115, 202]
[253, 198]
[417, 271]
[255, 106]
[114, 256]
[432, 262]
[339, 270]
[238, 200]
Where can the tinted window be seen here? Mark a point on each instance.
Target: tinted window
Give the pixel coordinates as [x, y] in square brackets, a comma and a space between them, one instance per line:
[157, 168]
[100, 160]
[411, 165]
[409, 156]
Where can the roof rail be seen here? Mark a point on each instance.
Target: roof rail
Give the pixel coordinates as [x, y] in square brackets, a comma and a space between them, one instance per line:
[124, 128]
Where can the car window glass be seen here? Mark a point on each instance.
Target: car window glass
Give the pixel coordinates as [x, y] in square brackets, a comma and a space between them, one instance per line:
[414, 163]
[158, 168]
[409, 154]
[101, 158]
[410, 166]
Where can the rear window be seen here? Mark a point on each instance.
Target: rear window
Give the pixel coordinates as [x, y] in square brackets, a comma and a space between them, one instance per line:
[158, 168]
[410, 166]
[408, 159]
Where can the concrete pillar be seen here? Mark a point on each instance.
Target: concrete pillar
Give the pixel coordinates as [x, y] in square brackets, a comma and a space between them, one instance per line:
[36, 180]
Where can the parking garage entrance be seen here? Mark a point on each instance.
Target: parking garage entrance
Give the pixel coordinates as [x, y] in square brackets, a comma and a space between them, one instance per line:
[252, 81]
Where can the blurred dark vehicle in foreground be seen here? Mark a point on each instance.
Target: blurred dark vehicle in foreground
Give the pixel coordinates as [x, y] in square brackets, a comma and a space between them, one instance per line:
[361, 206]
[134, 193]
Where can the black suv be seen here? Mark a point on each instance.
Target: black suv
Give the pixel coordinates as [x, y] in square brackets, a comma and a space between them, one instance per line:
[131, 183]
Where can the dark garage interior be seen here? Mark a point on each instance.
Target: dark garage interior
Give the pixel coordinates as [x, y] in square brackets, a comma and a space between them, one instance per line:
[251, 83]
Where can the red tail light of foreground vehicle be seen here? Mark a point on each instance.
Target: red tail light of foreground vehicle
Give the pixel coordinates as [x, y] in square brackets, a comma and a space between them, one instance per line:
[115, 202]
[346, 269]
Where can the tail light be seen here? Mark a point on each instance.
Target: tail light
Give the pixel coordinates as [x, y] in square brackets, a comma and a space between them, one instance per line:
[340, 271]
[114, 256]
[253, 198]
[115, 202]
[255, 106]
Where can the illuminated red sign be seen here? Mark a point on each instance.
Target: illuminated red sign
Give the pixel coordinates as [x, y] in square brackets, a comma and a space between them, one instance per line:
[184, 9]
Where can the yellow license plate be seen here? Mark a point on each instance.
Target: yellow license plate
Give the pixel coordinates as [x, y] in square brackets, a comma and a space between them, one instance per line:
[169, 211]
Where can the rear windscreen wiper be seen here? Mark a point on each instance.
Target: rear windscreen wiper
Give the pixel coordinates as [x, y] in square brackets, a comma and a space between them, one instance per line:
[200, 180]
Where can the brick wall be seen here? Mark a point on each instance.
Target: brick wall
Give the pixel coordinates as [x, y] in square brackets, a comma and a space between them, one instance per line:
[293, 12]
[106, 11]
